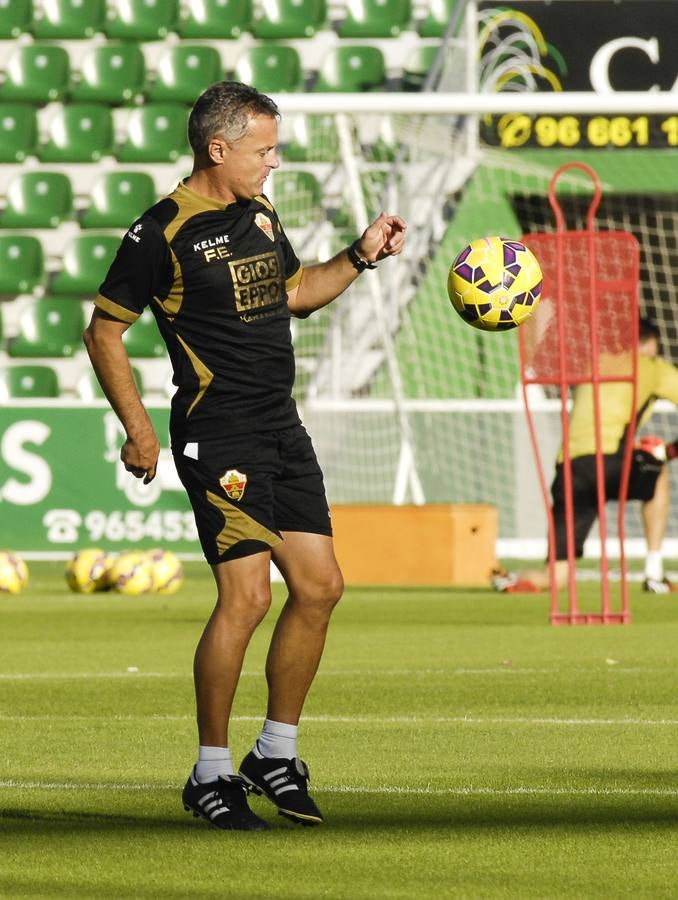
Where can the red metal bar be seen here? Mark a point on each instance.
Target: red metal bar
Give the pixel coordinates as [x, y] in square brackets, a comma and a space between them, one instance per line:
[567, 376]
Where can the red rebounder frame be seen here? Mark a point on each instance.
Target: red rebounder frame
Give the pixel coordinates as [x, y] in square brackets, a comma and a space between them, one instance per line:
[584, 332]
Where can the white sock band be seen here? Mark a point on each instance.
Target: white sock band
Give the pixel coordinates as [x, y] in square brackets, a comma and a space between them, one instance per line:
[213, 762]
[278, 739]
[654, 566]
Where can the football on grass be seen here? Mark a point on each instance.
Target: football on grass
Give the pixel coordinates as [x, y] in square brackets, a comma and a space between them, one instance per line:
[87, 571]
[495, 283]
[13, 573]
[166, 570]
[131, 573]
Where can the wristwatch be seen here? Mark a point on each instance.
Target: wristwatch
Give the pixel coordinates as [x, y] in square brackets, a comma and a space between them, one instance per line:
[358, 263]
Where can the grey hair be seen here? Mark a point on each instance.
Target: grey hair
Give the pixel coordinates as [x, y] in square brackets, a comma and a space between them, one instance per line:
[225, 109]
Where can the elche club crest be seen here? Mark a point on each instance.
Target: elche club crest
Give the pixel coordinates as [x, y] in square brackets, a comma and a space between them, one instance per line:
[262, 221]
[234, 484]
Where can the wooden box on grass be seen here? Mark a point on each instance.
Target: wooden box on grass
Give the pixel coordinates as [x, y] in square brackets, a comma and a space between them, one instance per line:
[434, 544]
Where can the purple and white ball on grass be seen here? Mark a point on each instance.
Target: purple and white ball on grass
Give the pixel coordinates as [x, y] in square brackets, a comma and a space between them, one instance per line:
[131, 573]
[167, 571]
[87, 570]
[495, 283]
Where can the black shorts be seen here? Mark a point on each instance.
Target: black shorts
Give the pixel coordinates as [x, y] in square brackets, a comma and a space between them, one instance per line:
[246, 490]
[645, 470]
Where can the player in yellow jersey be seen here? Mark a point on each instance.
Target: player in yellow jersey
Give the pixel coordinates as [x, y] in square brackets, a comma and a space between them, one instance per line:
[214, 264]
[649, 477]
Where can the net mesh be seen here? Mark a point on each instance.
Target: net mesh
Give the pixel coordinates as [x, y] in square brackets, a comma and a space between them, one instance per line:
[558, 342]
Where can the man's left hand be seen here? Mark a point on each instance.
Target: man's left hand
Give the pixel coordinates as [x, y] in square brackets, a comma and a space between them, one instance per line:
[384, 237]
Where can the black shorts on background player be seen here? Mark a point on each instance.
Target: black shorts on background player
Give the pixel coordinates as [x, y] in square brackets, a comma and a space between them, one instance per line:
[645, 469]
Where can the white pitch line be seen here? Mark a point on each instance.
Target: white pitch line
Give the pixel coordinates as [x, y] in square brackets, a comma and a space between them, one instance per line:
[462, 791]
[341, 673]
[536, 721]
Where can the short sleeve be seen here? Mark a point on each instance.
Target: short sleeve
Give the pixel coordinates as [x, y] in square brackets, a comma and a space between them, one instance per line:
[141, 270]
[291, 265]
[666, 385]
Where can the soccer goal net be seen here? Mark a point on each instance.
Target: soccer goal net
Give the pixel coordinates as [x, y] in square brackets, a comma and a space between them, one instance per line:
[406, 402]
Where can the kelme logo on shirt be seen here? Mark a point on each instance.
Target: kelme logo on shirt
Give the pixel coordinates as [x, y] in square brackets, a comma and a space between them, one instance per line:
[261, 220]
[234, 484]
[134, 233]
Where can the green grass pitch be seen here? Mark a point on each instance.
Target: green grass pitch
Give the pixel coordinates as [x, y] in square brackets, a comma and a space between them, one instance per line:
[459, 745]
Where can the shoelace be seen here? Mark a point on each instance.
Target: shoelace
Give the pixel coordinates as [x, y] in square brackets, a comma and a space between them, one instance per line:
[300, 776]
[238, 797]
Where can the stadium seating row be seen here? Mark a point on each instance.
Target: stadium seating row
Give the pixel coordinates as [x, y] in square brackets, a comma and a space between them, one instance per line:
[86, 259]
[156, 132]
[151, 20]
[116, 73]
[39, 199]
[41, 380]
[53, 326]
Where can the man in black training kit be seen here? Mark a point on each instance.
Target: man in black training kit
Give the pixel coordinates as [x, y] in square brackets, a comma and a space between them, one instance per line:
[213, 263]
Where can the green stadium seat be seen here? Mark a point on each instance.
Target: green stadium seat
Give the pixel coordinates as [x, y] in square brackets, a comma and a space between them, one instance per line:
[417, 66]
[118, 198]
[284, 19]
[19, 129]
[184, 71]
[111, 73]
[38, 199]
[49, 327]
[438, 18]
[36, 73]
[270, 68]
[354, 68]
[140, 20]
[375, 18]
[214, 19]
[88, 388]
[59, 20]
[86, 260]
[18, 382]
[298, 199]
[22, 264]
[156, 132]
[142, 339]
[78, 132]
[313, 137]
[15, 16]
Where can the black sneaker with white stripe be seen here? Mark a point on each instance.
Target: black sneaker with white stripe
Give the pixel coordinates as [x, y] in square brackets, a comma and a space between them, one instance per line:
[222, 802]
[285, 783]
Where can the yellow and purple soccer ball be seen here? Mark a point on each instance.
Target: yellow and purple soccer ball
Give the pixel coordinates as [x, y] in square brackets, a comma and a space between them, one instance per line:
[131, 573]
[87, 570]
[13, 573]
[495, 283]
[166, 569]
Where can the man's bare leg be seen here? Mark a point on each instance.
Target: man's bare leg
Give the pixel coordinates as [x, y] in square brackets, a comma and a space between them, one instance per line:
[243, 598]
[314, 582]
[656, 512]
[655, 520]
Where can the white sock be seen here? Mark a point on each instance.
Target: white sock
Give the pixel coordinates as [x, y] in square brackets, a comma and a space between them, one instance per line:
[277, 739]
[654, 566]
[213, 762]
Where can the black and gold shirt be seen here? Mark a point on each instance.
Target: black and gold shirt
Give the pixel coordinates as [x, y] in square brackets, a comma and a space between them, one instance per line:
[216, 277]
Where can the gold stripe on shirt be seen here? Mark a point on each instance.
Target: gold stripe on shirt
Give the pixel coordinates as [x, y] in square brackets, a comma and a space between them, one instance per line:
[114, 309]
